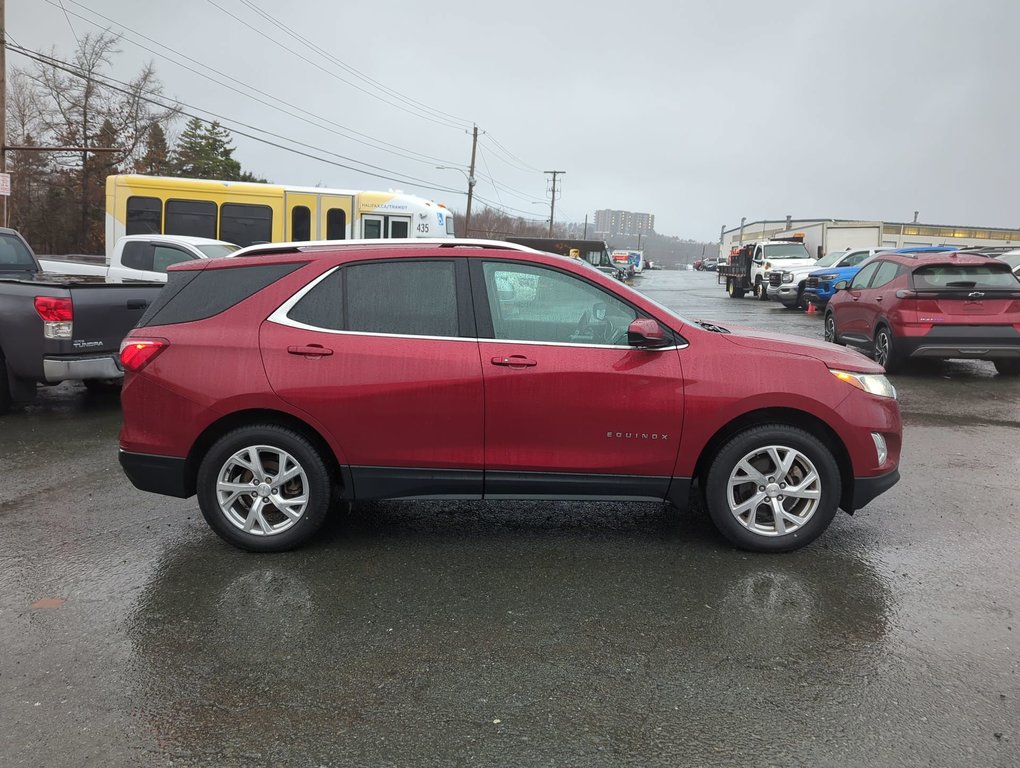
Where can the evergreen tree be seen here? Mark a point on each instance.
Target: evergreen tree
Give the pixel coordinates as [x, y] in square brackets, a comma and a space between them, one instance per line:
[203, 151]
[155, 160]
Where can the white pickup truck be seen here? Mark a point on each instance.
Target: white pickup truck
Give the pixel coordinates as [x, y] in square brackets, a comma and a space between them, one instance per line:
[142, 257]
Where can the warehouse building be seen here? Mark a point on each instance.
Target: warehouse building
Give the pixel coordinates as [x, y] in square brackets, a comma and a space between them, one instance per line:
[824, 235]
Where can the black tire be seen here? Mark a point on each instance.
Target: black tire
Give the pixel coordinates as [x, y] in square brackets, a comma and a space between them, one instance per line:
[811, 454]
[102, 386]
[5, 387]
[761, 290]
[316, 485]
[1010, 367]
[732, 290]
[830, 328]
[887, 353]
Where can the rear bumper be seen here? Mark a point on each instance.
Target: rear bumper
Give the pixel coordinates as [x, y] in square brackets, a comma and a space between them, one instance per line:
[57, 369]
[866, 489]
[963, 342]
[166, 475]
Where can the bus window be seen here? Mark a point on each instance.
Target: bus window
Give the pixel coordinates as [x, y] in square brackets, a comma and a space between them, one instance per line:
[336, 224]
[191, 217]
[144, 216]
[371, 227]
[300, 223]
[246, 224]
[399, 227]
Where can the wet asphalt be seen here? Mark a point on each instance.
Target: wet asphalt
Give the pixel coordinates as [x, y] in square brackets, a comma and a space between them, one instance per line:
[517, 634]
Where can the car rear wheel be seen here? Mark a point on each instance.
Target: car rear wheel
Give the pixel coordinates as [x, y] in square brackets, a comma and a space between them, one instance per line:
[886, 353]
[264, 488]
[1008, 367]
[761, 291]
[830, 328]
[773, 488]
[732, 289]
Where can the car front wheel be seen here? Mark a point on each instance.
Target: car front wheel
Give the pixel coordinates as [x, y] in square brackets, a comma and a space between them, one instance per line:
[264, 488]
[773, 488]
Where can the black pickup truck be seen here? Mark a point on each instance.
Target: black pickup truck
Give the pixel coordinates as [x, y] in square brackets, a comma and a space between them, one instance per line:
[57, 328]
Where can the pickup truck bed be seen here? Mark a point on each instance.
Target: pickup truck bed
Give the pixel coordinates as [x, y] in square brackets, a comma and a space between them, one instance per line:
[56, 328]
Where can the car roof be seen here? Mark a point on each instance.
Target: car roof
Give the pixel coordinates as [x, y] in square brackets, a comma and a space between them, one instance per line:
[923, 258]
[425, 243]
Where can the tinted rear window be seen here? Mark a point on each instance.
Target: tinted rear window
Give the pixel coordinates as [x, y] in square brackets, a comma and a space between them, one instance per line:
[196, 295]
[403, 297]
[938, 277]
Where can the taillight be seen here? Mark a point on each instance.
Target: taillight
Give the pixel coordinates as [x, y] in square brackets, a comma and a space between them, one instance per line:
[135, 354]
[57, 314]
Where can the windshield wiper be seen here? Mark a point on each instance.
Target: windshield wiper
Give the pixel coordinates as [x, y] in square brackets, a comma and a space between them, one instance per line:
[711, 326]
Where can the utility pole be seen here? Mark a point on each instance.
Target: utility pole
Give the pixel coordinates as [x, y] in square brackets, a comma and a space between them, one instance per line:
[3, 97]
[552, 200]
[470, 179]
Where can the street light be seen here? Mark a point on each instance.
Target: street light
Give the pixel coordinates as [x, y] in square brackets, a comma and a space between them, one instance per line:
[470, 194]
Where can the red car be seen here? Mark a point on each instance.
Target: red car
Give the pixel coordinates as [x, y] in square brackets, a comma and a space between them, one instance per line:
[930, 305]
[278, 381]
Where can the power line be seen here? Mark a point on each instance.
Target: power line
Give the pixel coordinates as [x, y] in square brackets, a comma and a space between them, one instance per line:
[347, 67]
[520, 163]
[313, 118]
[230, 124]
[334, 75]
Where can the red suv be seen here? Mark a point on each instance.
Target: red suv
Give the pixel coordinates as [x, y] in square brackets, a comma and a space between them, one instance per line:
[286, 378]
[930, 305]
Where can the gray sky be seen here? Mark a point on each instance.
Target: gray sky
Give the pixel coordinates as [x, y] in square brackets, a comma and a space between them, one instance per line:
[697, 112]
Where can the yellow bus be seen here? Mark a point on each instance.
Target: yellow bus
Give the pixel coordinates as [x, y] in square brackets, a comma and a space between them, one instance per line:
[246, 213]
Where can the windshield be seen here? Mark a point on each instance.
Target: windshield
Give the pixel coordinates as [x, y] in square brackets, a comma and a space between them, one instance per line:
[14, 255]
[787, 251]
[830, 258]
[218, 250]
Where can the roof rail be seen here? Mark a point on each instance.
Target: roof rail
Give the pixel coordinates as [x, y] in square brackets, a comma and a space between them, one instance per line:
[267, 249]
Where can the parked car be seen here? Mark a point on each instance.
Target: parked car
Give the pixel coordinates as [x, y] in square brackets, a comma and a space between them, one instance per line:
[788, 286]
[1012, 258]
[930, 305]
[275, 381]
[818, 286]
[56, 328]
[143, 257]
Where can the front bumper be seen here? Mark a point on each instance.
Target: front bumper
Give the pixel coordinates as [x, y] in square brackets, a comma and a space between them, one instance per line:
[817, 297]
[167, 475]
[58, 369]
[866, 489]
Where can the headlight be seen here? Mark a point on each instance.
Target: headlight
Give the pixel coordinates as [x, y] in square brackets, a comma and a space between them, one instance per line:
[872, 383]
[827, 277]
[788, 277]
[768, 265]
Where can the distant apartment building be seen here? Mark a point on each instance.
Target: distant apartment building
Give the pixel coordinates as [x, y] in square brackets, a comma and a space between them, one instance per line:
[609, 223]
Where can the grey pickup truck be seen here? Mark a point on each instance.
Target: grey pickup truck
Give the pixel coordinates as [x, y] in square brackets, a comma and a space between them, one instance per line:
[56, 328]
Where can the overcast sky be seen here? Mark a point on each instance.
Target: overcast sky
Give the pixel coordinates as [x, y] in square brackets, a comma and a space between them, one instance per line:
[697, 112]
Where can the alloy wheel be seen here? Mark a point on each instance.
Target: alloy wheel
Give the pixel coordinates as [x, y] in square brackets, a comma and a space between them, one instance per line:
[773, 490]
[262, 490]
[830, 328]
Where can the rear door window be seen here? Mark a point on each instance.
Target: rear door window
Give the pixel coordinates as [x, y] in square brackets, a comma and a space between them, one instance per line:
[165, 255]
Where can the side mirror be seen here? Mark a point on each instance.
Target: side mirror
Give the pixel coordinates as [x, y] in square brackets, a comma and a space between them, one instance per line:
[840, 285]
[645, 333]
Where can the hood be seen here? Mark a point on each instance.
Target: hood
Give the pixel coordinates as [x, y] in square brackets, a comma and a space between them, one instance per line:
[841, 271]
[799, 268]
[832, 355]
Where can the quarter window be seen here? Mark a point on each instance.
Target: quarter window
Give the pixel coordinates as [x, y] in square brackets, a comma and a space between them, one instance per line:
[246, 224]
[191, 217]
[144, 216]
[529, 303]
[322, 306]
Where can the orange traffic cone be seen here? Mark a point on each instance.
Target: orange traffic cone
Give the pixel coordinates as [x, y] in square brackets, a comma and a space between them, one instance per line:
[811, 308]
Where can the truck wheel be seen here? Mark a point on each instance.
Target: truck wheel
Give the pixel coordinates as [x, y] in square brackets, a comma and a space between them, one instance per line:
[264, 488]
[773, 488]
[761, 291]
[732, 290]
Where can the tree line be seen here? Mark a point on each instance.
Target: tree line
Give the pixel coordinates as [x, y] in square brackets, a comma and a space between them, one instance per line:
[58, 197]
